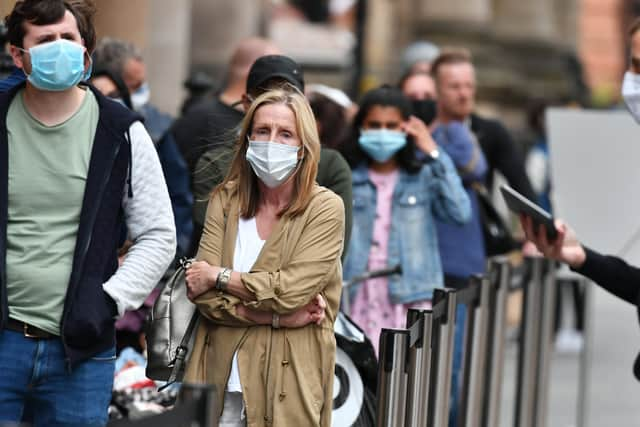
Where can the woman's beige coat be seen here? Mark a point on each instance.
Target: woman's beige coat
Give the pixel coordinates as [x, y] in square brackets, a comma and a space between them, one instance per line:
[286, 374]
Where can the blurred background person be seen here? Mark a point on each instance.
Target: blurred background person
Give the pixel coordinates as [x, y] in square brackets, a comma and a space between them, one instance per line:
[267, 280]
[124, 63]
[456, 82]
[199, 85]
[455, 78]
[396, 200]
[340, 13]
[333, 111]
[214, 122]
[418, 57]
[111, 85]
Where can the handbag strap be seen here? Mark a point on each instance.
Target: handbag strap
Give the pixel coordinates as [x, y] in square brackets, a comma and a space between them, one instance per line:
[178, 363]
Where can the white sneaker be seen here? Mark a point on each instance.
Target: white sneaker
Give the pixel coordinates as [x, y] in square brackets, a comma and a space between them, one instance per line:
[569, 341]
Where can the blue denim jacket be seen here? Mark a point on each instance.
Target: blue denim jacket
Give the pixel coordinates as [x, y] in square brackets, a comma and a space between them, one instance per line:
[435, 191]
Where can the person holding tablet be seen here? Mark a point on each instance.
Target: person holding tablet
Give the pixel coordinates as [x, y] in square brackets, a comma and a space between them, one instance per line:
[609, 272]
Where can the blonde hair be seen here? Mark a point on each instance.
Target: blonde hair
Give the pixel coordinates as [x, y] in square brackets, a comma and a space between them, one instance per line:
[244, 178]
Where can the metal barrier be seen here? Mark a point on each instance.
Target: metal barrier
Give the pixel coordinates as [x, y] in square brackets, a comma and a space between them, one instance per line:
[416, 363]
[499, 272]
[444, 314]
[535, 346]
[419, 323]
[392, 379]
[474, 353]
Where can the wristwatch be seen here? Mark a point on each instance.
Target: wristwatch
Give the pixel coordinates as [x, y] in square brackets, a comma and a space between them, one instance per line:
[222, 281]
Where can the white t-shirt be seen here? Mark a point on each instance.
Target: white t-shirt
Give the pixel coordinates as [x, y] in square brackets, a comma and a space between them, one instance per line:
[248, 247]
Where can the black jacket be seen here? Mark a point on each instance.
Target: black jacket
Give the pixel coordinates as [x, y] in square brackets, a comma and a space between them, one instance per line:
[87, 325]
[617, 277]
[502, 154]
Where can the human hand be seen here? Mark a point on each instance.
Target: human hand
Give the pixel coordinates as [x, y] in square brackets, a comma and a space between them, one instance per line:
[420, 133]
[314, 312]
[200, 277]
[566, 247]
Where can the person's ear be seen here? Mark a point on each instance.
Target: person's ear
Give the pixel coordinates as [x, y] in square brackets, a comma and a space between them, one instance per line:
[16, 55]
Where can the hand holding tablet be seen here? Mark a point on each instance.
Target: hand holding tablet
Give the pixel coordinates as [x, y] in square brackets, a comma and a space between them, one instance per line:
[554, 239]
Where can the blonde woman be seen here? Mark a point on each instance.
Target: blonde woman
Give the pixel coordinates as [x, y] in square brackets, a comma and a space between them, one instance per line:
[267, 280]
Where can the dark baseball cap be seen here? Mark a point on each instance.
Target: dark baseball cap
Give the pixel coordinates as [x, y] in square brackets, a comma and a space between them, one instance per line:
[274, 66]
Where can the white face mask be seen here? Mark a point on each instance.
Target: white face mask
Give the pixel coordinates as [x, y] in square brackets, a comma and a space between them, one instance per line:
[631, 93]
[272, 162]
[141, 97]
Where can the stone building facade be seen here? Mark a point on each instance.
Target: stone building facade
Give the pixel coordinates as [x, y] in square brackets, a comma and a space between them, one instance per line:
[522, 49]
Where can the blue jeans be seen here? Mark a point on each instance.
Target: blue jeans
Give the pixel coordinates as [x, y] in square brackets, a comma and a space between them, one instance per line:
[33, 373]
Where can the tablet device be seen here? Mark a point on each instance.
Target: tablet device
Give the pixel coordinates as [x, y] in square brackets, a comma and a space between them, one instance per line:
[521, 205]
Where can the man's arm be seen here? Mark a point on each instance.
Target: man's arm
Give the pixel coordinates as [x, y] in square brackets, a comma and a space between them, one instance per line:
[465, 152]
[176, 175]
[150, 222]
[450, 200]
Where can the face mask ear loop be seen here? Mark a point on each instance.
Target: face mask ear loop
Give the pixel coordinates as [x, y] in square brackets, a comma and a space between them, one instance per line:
[23, 50]
[89, 69]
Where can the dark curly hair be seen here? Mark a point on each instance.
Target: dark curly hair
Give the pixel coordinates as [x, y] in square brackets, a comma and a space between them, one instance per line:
[45, 12]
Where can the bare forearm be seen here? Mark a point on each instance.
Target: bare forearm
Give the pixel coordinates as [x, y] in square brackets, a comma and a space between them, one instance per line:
[256, 316]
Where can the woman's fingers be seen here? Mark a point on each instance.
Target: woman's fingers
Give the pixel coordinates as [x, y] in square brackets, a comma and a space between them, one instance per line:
[320, 301]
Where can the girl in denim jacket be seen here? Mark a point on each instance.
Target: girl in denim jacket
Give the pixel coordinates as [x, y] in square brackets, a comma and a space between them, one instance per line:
[395, 200]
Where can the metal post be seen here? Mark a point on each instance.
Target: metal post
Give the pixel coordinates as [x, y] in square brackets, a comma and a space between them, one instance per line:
[479, 352]
[419, 369]
[499, 271]
[443, 360]
[467, 355]
[529, 347]
[584, 380]
[545, 346]
[439, 313]
[392, 378]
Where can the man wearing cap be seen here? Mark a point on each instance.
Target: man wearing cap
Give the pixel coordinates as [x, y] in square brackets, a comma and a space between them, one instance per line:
[212, 121]
[268, 72]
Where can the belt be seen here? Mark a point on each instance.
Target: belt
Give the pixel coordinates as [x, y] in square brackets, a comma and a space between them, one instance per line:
[28, 330]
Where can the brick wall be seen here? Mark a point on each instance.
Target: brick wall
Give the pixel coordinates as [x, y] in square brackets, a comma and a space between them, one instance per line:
[601, 46]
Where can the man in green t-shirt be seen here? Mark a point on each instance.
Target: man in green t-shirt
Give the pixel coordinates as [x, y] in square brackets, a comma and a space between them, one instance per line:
[76, 169]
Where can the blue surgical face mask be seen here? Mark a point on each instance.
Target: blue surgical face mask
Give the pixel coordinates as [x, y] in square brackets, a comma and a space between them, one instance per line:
[382, 144]
[141, 97]
[57, 65]
[272, 162]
